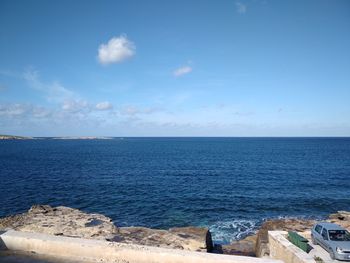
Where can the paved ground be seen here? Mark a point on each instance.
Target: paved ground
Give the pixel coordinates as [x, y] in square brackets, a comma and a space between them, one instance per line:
[321, 252]
[23, 257]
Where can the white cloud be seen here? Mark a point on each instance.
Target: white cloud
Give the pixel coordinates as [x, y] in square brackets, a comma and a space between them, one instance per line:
[182, 71]
[105, 105]
[130, 110]
[116, 50]
[14, 109]
[73, 105]
[20, 110]
[69, 101]
[241, 8]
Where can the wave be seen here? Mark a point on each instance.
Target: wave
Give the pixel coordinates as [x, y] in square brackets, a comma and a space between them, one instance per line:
[225, 232]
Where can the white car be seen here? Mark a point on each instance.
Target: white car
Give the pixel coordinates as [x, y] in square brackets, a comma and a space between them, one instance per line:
[333, 238]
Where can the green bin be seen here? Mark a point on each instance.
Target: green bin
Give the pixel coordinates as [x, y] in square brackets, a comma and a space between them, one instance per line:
[299, 241]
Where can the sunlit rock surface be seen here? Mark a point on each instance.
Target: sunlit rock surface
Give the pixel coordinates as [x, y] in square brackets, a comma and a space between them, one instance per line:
[71, 222]
[188, 238]
[63, 221]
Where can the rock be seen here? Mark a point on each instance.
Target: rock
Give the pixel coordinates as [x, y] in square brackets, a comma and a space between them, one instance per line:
[244, 247]
[40, 209]
[63, 221]
[71, 222]
[200, 237]
[341, 218]
[187, 238]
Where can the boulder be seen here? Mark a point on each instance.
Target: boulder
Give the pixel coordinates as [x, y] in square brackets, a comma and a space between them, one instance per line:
[244, 247]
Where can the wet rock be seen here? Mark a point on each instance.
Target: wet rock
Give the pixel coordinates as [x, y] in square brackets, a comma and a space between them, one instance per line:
[63, 221]
[187, 238]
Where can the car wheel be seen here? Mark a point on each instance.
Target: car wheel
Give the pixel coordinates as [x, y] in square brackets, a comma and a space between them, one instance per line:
[332, 254]
[313, 240]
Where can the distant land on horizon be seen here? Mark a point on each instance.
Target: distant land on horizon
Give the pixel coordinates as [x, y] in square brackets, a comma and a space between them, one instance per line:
[16, 137]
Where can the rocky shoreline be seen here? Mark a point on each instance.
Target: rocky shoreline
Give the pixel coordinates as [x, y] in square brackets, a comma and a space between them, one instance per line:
[65, 221]
[257, 244]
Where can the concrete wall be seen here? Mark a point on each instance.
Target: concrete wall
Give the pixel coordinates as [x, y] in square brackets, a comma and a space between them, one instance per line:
[103, 251]
[282, 249]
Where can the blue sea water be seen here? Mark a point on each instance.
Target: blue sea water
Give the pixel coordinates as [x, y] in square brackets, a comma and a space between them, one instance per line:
[228, 184]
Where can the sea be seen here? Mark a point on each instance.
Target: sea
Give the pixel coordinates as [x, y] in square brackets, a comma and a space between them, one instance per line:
[230, 185]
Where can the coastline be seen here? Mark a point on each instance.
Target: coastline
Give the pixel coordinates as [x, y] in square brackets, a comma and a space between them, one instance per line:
[65, 221]
[14, 137]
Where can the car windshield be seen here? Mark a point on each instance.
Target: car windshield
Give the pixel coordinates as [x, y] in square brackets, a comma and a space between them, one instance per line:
[339, 235]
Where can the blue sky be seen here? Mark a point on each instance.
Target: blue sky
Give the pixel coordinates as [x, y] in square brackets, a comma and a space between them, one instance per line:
[175, 68]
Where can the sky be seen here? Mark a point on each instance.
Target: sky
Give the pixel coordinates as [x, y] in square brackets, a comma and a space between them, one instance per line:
[175, 68]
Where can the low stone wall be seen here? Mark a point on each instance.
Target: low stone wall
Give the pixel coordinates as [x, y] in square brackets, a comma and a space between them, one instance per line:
[280, 248]
[104, 251]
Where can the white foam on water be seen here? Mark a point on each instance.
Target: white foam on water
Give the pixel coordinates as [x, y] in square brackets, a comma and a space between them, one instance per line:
[224, 232]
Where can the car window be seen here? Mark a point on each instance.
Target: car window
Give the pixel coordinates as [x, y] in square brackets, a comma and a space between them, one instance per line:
[318, 229]
[339, 235]
[324, 234]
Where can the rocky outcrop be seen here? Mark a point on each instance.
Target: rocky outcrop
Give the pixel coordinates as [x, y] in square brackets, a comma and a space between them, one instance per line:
[341, 218]
[188, 238]
[63, 221]
[71, 222]
[244, 247]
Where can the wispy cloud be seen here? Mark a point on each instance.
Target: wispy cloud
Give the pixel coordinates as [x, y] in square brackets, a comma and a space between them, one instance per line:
[241, 8]
[104, 105]
[57, 93]
[54, 91]
[132, 110]
[75, 105]
[25, 110]
[182, 71]
[63, 104]
[116, 50]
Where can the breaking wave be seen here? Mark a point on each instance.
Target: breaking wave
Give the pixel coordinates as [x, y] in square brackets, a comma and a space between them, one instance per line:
[224, 232]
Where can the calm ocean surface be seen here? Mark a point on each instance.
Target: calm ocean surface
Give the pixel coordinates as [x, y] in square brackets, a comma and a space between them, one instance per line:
[228, 184]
